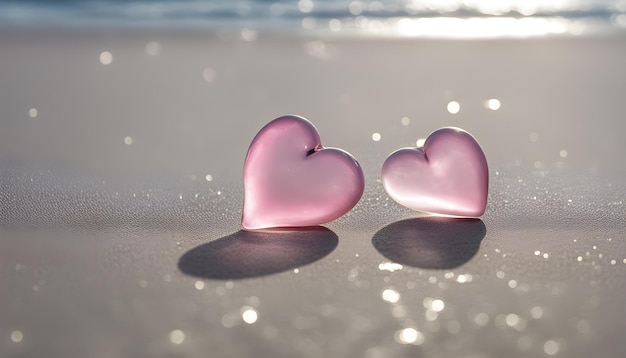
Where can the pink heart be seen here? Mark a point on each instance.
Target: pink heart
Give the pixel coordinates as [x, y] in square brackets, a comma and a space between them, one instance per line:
[291, 180]
[447, 176]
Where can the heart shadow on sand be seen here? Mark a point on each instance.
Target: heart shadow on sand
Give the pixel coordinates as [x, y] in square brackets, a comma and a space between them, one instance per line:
[432, 242]
[246, 254]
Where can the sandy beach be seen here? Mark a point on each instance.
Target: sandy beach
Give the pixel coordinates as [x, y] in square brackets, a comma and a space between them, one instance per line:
[565, 90]
[121, 154]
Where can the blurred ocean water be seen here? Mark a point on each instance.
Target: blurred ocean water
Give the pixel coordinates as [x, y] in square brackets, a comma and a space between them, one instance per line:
[438, 18]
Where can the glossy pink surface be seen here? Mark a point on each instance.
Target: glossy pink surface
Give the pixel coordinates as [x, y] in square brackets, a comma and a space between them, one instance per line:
[291, 180]
[448, 176]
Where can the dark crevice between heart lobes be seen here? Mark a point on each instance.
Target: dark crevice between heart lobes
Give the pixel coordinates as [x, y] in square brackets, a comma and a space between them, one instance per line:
[314, 150]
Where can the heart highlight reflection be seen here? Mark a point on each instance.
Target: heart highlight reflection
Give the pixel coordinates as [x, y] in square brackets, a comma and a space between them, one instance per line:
[246, 254]
[432, 242]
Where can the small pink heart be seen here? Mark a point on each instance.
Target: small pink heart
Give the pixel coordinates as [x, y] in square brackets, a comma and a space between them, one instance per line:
[291, 180]
[447, 176]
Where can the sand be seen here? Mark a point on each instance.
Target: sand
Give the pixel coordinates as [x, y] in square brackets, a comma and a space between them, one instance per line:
[113, 175]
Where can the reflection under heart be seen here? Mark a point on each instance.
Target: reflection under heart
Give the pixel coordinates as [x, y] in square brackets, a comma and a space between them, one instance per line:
[432, 243]
[247, 254]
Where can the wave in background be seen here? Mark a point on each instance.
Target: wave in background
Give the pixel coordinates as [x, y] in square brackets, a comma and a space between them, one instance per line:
[414, 18]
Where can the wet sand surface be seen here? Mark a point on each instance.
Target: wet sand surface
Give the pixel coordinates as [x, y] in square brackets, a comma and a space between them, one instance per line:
[121, 191]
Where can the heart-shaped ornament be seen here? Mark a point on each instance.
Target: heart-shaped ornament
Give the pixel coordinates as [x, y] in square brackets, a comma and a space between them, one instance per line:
[447, 176]
[290, 180]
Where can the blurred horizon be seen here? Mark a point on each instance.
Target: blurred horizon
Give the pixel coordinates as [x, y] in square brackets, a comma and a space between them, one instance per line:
[415, 18]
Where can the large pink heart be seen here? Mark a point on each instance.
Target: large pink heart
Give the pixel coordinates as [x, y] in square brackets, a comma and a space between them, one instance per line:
[447, 176]
[291, 180]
